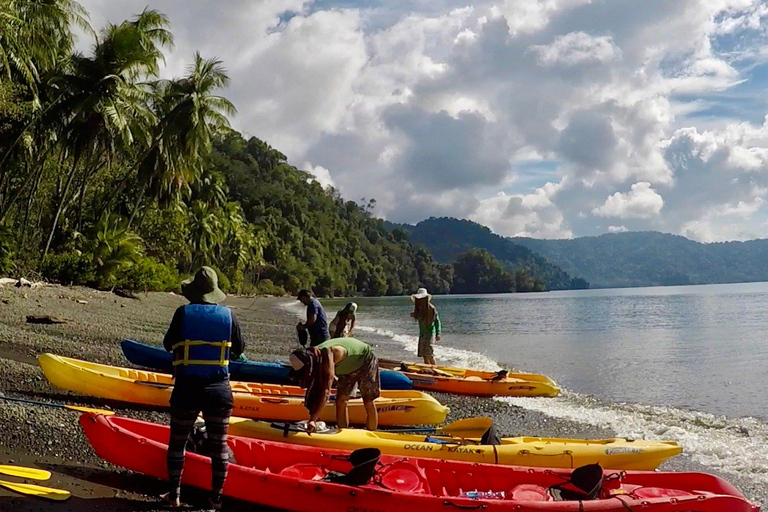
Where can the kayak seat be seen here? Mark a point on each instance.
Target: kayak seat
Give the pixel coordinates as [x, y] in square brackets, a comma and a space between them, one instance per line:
[403, 476]
[529, 492]
[585, 483]
[363, 461]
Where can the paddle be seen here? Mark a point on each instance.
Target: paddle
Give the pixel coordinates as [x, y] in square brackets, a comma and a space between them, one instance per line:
[22, 472]
[57, 405]
[468, 427]
[161, 385]
[36, 490]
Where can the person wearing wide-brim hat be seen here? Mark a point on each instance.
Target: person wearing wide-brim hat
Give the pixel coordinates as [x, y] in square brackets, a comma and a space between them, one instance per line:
[429, 324]
[203, 335]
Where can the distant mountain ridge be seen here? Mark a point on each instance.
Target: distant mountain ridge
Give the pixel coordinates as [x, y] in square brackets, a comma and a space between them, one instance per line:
[650, 258]
[447, 238]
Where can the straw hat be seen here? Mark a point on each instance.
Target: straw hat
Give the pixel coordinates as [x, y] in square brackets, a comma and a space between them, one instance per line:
[421, 293]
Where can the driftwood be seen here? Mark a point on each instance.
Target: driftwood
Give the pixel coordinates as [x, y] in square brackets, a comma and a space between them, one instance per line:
[125, 293]
[45, 319]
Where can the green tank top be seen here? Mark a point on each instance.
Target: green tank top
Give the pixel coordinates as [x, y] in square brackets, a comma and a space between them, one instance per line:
[357, 352]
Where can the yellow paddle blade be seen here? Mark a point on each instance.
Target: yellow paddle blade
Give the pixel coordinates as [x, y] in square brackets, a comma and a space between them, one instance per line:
[103, 412]
[22, 472]
[469, 427]
[37, 491]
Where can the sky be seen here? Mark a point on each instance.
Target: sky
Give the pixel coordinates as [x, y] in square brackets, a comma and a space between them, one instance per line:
[540, 118]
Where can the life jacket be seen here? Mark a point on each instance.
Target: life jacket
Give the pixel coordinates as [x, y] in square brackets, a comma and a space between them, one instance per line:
[206, 330]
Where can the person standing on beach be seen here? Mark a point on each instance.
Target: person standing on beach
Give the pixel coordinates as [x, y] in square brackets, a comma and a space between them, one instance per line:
[429, 324]
[343, 323]
[203, 335]
[350, 361]
[316, 325]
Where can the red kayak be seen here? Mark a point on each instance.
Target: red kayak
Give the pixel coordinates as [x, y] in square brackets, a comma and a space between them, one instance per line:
[295, 478]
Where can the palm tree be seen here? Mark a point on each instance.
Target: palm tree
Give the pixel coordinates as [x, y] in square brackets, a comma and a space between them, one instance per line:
[190, 115]
[107, 105]
[34, 34]
[35, 40]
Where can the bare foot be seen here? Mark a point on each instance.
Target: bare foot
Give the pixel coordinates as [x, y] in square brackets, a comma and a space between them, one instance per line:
[170, 502]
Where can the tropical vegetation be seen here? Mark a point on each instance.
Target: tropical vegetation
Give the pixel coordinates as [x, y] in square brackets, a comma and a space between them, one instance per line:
[115, 177]
[453, 241]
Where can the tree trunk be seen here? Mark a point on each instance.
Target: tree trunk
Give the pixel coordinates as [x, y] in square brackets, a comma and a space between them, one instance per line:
[137, 205]
[60, 206]
[28, 209]
[32, 177]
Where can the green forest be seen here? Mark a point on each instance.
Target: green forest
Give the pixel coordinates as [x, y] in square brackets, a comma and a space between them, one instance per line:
[112, 177]
[516, 267]
[650, 258]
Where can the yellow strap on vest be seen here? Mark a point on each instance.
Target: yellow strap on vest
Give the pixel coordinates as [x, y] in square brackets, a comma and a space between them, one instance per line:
[186, 361]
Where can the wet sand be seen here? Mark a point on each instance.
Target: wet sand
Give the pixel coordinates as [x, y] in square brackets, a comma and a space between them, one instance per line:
[51, 438]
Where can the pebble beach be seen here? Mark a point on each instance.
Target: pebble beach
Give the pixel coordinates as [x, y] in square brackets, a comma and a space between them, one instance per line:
[95, 322]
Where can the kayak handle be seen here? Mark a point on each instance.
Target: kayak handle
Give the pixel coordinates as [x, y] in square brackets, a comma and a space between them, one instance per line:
[465, 507]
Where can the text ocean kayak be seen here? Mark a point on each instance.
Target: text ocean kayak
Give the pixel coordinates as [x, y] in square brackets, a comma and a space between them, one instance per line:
[158, 359]
[614, 453]
[465, 381]
[263, 401]
[287, 477]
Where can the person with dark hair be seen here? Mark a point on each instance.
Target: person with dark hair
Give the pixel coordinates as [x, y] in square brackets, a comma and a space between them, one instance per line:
[343, 323]
[350, 361]
[316, 326]
[203, 335]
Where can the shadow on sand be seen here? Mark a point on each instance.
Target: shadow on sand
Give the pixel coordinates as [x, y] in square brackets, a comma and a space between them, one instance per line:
[119, 480]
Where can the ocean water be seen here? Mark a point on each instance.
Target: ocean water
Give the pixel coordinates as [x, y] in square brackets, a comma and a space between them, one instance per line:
[685, 363]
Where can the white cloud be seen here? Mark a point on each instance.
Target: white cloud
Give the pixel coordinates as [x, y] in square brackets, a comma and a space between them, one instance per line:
[524, 215]
[532, 116]
[641, 202]
[617, 229]
[320, 174]
[577, 48]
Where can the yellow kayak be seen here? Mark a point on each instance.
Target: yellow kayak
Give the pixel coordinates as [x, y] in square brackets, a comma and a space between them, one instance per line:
[261, 401]
[464, 381]
[614, 453]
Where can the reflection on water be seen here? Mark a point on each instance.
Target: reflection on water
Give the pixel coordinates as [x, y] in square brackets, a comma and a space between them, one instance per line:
[699, 347]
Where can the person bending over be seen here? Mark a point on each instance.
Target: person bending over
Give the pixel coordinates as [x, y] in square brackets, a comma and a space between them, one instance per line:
[202, 336]
[350, 361]
[343, 323]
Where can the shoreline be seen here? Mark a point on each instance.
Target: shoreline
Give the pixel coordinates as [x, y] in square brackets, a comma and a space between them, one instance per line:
[51, 438]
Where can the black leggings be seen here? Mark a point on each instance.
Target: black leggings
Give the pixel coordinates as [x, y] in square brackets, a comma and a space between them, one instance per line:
[216, 425]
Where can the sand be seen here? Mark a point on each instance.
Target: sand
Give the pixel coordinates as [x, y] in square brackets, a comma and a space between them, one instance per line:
[96, 322]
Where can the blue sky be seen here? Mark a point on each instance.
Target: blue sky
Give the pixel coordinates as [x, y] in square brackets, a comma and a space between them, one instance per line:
[543, 118]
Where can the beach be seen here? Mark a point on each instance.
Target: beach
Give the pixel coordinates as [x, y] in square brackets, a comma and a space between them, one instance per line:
[96, 321]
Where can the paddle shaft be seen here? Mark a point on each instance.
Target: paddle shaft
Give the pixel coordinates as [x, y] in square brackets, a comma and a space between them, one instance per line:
[55, 404]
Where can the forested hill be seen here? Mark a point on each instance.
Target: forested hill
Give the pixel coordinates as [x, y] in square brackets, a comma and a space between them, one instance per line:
[311, 237]
[448, 238]
[652, 259]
